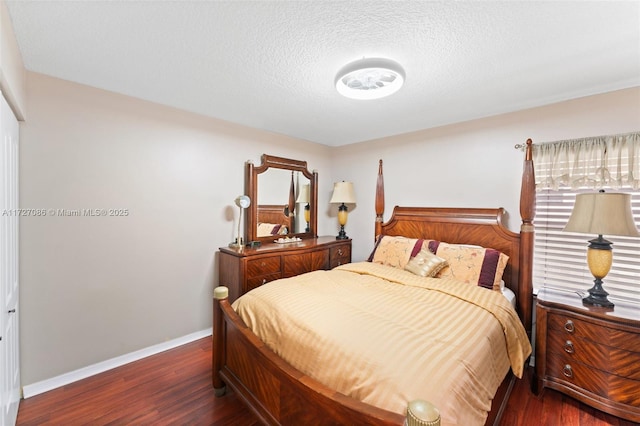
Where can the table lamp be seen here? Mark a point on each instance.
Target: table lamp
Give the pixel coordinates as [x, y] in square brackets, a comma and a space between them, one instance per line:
[242, 202]
[303, 197]
[342, 193]
[601, 213]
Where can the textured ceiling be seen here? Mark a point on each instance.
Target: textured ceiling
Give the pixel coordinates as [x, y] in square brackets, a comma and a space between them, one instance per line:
[271, 64]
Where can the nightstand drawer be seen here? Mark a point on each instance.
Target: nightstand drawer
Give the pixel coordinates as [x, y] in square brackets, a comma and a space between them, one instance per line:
[263, 266]
[576, 349]
[624, 390]
[614, 388]
[572, 326]
[564, 369]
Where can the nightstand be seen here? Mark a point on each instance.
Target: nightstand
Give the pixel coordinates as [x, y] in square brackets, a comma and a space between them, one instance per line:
[589, 353]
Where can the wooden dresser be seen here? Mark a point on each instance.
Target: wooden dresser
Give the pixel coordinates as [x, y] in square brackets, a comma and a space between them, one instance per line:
[244, 270]
[589, 353]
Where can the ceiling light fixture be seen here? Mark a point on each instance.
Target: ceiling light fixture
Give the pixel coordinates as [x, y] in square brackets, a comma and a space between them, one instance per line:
[370, 78]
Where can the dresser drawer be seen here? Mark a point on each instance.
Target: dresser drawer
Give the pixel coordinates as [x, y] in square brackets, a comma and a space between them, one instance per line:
[340, 255]
[297, 264]
[263, 266]
[253, 282]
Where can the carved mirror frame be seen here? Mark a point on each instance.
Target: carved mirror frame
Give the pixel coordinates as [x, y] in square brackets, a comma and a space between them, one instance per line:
[251, 189]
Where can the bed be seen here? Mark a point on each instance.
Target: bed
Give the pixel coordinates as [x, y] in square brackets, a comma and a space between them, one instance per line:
[272, 220]
[279, 393]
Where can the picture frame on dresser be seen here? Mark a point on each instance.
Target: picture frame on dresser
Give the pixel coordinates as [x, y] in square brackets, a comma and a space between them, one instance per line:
[589, 353]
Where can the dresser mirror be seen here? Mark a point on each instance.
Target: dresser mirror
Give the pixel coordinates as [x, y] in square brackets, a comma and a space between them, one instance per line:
[284, 198]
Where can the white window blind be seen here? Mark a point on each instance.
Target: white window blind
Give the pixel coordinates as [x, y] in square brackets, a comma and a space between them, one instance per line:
[563, 170]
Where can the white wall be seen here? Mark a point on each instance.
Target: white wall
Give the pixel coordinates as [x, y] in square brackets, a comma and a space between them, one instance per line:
[471, 164]
[97, 287]
[12, 72]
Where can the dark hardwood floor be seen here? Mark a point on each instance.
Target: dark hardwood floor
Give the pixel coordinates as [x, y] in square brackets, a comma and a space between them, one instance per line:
[174, 388]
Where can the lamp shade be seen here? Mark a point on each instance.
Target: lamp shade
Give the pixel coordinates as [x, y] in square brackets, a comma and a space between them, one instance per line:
[343, 193]
[603, 213]
[243, 201]
[303, 196]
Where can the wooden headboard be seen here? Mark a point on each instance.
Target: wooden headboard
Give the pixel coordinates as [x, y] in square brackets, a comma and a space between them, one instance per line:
[475, 226]
[270, 213]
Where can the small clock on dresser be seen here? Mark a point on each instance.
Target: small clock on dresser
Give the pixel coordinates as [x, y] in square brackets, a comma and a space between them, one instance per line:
[589, 353]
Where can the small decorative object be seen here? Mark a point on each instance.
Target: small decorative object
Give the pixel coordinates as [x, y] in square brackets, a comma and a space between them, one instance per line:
[422, 413]
[342, 193]
[242, 202]
[601, 213]
[303, 197]
[286, 240]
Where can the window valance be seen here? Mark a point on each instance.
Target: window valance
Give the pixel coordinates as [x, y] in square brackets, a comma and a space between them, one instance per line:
[605, 161]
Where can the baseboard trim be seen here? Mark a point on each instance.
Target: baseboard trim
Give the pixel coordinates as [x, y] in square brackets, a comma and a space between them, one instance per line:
[100, 367]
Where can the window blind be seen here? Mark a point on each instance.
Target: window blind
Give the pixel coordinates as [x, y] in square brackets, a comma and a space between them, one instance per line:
[560, 258]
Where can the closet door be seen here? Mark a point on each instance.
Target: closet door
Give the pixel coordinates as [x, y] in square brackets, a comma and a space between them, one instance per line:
[9, 217]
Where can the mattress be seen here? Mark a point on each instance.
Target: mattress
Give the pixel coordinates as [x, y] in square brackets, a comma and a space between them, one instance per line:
[385, 336]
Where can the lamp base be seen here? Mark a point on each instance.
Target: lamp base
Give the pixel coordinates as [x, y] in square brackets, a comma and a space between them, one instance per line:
[236, 245]
[598, 296]
[342, 235]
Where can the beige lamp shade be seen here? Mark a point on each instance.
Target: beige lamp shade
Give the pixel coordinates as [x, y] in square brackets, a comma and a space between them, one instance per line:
[343, 193]
[603, 213]
[303, 196]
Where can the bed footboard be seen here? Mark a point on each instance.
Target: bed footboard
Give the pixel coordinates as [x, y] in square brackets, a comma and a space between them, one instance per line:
[276, 392]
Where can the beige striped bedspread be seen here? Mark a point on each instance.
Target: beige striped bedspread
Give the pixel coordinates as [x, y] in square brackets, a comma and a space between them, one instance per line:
[385, 336]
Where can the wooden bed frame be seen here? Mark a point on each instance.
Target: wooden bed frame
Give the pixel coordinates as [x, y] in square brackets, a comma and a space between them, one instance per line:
[278, 394]
[270, 213]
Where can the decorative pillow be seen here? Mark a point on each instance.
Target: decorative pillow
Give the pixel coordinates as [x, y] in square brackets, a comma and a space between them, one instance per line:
[395, 251]
[475, 265]
[425, 264]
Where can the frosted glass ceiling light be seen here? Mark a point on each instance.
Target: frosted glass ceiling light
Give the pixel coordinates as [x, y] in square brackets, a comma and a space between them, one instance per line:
[370, 78]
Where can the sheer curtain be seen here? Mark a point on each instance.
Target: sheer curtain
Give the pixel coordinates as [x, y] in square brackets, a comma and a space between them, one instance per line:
[564, 169]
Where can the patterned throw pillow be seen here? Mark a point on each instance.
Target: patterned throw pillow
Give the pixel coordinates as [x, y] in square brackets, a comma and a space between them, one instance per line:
[425, 264]
[475, 265]
[396, 251]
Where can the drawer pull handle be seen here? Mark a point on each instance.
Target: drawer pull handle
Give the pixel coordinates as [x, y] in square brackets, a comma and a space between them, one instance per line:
[263, 264]
[339, 252]
[569, 327]
[567, 371]
[264, 281]
[568, 347]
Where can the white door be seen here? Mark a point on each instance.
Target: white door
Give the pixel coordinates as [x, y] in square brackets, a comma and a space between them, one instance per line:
[9, 345]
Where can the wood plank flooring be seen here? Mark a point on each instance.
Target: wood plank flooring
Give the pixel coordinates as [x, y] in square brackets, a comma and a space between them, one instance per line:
[174, 388]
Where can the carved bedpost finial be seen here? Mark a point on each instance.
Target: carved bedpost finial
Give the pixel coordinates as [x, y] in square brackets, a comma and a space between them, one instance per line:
[528, 189]
[379, 200]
